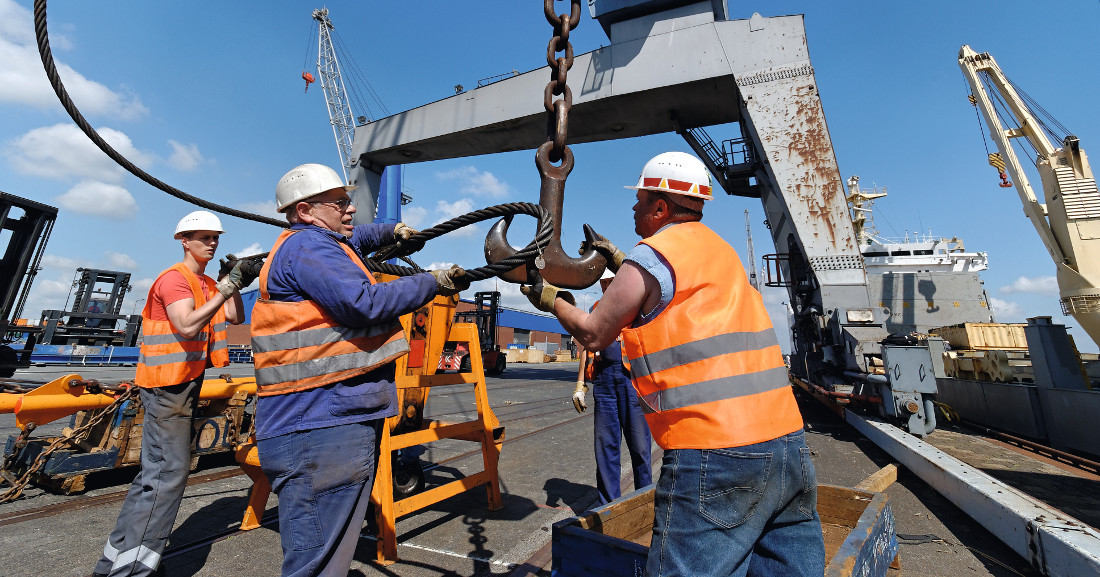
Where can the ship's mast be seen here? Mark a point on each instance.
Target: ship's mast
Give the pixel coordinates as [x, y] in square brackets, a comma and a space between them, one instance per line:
[336, 96]
[754, 279]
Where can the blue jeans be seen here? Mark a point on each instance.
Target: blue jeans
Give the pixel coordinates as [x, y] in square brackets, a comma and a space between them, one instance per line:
[323, 478]
[618, 412]
[741, 511]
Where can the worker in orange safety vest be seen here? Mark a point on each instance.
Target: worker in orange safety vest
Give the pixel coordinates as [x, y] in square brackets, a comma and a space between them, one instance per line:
[737, 490]
[184, 327]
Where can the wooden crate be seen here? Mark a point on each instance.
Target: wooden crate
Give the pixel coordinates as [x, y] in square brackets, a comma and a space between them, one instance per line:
[998, 336]
[613, 540]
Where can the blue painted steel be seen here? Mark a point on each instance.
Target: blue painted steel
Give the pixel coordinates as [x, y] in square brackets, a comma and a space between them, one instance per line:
[84, 355]
[249, 299]
[389, 197]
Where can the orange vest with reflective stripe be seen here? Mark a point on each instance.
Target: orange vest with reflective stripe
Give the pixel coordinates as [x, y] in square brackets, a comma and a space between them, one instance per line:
[167, 358]
[709, 365]
[297, 346]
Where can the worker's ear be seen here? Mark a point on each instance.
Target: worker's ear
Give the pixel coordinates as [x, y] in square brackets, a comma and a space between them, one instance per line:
[304, 212]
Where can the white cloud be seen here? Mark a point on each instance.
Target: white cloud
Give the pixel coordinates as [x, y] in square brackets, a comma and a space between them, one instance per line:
[142, 286]
[63, 263]
[254, 248]
[1006, 311]
[473, 181]
[509, 294]
[1042, 285]
[184, 157]
[439, 265]
[23, 81]
[63, 152]
[262, 208]
[99, 199]
[447, 210]
[414, 216]
[119, 261]
[47, 293]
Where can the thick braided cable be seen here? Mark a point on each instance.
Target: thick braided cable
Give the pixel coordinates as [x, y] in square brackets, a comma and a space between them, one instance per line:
[63, 95]
[542, 239]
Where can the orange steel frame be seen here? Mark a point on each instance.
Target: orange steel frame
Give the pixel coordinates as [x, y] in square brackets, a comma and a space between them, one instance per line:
[427, 329]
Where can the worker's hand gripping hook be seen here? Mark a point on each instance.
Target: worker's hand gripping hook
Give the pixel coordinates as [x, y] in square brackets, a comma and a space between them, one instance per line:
[557, 267]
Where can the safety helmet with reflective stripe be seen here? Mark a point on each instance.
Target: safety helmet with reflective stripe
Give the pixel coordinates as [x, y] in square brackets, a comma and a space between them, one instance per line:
[198, 220]
[676, 173]
[305, 181]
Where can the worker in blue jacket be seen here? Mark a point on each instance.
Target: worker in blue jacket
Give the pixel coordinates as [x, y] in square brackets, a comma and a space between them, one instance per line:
[324, 338]
[617, 413]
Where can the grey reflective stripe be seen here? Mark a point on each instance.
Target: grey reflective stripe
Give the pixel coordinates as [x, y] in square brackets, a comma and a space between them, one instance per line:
[157, 360]
[219, 345]
[221, 326]
[318, 336]
[717, 390]
[327, 365]
[140, 554]
[703, 349]
[173, 338]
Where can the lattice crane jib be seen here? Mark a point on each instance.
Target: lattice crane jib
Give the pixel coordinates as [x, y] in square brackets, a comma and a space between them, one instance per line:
[336, 95]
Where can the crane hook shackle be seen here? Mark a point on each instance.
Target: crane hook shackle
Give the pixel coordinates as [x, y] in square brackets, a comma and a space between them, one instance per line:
[558, 268]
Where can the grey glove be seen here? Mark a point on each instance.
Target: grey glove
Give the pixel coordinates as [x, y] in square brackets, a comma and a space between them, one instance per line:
[608, 249]
[402, 232]
[578, 397]
[542, 295]
[233, 281]
[451, 281]
[226, 265]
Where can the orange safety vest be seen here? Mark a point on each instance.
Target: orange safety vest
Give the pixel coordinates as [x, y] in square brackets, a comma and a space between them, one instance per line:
[709, 365]
[167, 357]
[297, 346]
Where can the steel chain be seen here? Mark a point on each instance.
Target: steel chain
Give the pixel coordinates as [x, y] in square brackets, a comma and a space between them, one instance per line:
[557, 121]
[40, 460]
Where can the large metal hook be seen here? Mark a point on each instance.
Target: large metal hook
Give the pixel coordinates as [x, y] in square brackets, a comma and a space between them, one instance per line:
[557, 268]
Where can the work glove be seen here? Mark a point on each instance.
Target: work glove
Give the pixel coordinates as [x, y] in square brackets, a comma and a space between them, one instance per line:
[578, 397]
[226, 265]
[542, 295]
[402, 232]
[233, 281]
[608, 249]
[451, 281]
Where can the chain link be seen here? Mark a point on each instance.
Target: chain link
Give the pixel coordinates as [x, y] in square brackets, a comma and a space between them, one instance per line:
[557, 121]
[19, 484]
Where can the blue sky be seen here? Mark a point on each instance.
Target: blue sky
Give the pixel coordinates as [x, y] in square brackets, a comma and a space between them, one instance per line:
[211, 101]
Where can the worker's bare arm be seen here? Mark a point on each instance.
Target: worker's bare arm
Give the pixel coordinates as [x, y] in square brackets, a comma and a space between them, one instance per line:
[188, 320]
[234, 309]
[627, 295]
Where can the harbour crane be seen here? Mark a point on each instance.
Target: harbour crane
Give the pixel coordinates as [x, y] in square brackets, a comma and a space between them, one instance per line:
[1068, 222]
[336, 95]
[754, 279]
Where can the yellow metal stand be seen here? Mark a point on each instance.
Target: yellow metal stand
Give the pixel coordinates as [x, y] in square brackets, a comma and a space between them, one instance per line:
[485, 429]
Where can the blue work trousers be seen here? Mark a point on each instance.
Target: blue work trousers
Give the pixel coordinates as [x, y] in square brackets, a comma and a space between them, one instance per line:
[618, 413]
[323, 478]
[743, 511]
[135, 545]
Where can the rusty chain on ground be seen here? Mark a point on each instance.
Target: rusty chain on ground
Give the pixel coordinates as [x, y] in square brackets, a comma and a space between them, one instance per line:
[19, 484]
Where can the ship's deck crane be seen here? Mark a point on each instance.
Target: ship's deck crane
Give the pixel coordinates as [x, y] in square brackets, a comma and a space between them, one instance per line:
[1068, 222]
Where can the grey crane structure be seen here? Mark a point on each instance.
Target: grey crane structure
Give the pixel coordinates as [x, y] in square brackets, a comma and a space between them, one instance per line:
[680, 65]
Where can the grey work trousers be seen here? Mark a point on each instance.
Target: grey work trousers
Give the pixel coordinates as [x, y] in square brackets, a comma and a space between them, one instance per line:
[134, 547]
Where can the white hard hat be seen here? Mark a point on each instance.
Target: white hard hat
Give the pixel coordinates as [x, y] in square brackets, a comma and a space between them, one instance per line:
[607, 274]
[305, 181]
[676, 173]
[198, 220]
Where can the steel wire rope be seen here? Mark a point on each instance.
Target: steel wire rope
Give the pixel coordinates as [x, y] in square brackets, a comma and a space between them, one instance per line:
[66, 102]
[542, 238]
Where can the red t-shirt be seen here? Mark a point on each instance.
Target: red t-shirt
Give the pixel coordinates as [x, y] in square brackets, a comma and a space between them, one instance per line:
[170, 288]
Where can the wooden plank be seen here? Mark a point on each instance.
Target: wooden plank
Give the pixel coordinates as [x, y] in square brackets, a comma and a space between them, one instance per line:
[880, 480]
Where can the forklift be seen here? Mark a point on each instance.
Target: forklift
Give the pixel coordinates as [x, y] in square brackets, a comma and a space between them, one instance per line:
[456, 355]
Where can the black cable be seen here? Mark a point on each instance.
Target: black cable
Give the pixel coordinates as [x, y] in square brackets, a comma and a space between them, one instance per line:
[507, 211]
[542, 239]
[67, 103]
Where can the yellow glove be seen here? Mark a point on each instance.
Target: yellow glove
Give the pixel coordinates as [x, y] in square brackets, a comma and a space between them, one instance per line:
[402, 232]
[542, 295]
[578, 397]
